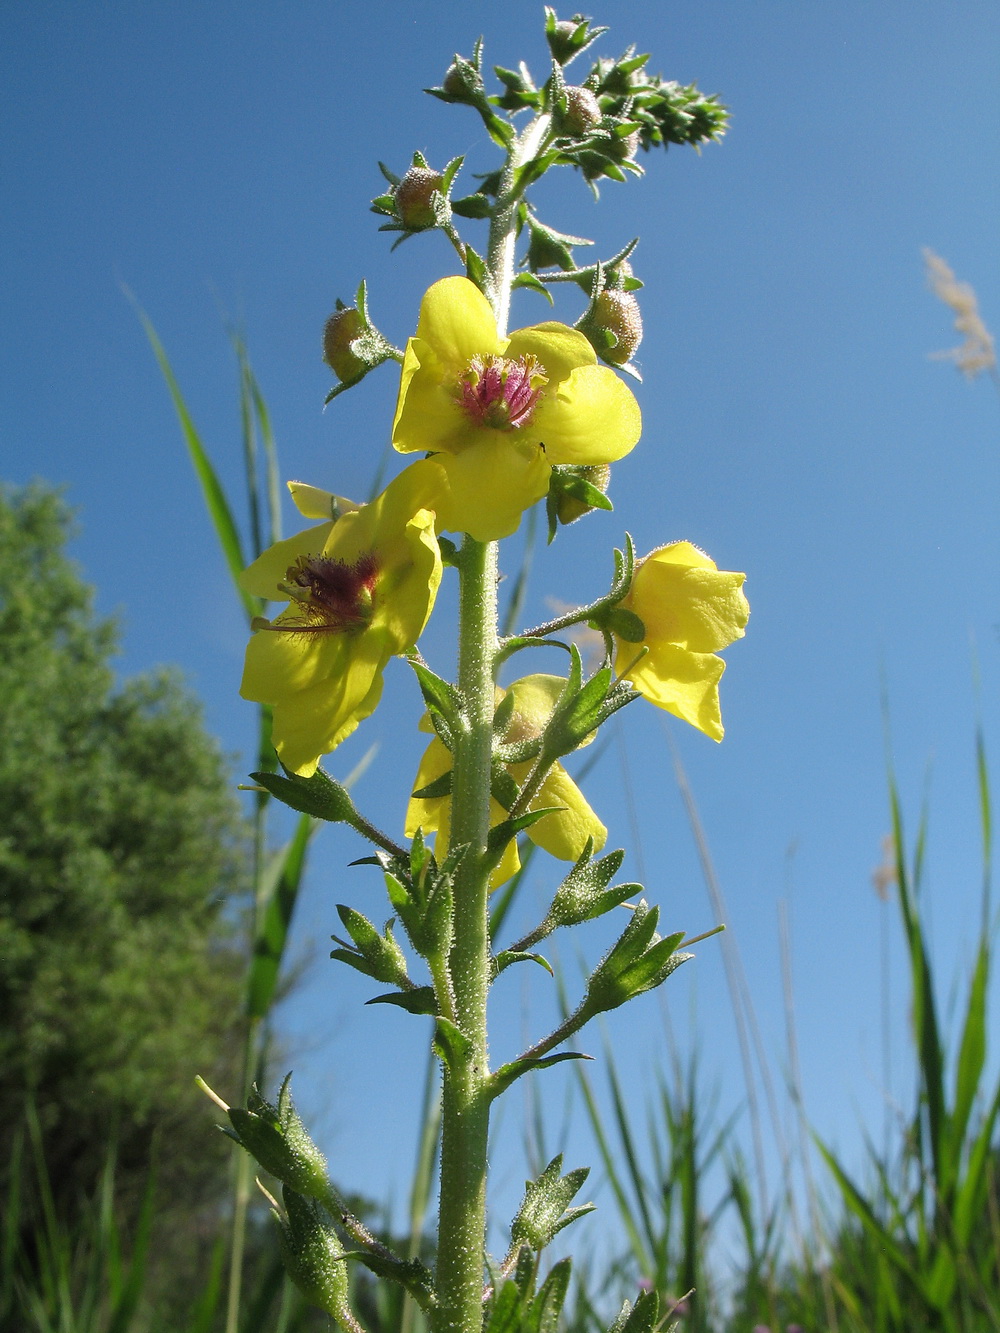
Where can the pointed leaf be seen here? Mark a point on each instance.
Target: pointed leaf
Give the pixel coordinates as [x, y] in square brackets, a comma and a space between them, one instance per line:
[504, 1076]
[421, 1000]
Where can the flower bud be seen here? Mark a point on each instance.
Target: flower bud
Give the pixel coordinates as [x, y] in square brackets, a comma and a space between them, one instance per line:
[341, 329]
[583, 112]
[463, 82]
[570, 506]
[414, 196]
[613, 325]
[313, 1255]
[351, 344]
[623, 149]
[277, 1138]
[618, 313]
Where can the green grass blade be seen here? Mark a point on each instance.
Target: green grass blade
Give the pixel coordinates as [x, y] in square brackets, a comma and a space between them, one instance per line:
[212, 490]
[863, 1211]
[203, 1315]
[971, 1056]
[626, 1139]
[248, 431]
[279, 893]
[134, 1284]
[273, 479]
[925, 1024]
[643, 1260]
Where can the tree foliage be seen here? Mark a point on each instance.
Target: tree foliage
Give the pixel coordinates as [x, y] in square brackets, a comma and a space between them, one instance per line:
[120, 848]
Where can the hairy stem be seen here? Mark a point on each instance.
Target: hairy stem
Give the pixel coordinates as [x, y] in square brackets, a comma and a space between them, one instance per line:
[465, 1103]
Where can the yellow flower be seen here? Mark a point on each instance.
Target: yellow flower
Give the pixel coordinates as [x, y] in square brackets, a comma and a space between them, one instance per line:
[563, 833]
[498, 412]
[360, 588]
[689, 610]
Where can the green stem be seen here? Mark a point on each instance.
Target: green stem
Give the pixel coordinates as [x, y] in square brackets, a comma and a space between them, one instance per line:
[465, 1109]
[465, 1100]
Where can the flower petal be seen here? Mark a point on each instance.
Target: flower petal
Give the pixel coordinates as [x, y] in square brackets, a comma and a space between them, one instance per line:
[433, 814]
[271, 566]
[490, 485]
[682, 598]
[317, 720]
[311, 502]
[559, 348]
[684, 683]
[563, 833]
[458, 322]
[591, 417]
[428, 417]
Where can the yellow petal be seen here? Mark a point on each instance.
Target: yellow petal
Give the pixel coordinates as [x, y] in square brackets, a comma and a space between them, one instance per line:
[490, 485]
[559, 348]
[317, 720]
[425, 812]
[271, 566]
[591, 417]
[684, 683]
[458, 322]
[311, 502]
[563, 833]
[682, 598]
[428, 417]
[280, 662]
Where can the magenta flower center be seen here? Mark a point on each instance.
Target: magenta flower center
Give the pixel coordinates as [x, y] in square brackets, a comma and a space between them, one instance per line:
[501, 394]
[330, 595]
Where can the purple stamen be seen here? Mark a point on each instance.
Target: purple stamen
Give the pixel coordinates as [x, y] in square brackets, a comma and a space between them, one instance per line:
[501, 394]
[330, 595]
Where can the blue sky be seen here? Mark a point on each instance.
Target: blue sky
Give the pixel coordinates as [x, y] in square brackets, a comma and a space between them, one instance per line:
[218, 161]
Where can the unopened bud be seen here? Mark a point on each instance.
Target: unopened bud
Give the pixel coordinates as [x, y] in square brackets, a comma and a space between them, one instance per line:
[341, 329]
[624, 149]
[463, 81]
[570, 506]
[617, 312]
[314, 1256]
[583, 112]
[414, 196]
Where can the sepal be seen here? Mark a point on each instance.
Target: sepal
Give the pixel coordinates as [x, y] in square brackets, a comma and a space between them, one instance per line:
[545, 1209]
[277, 1139]
[321, 796]
[374, 955]
[639, 961]
[444, 703]
[352, 345]
[568, 37]
[421, 893]
[313, 1255]
[584, 893]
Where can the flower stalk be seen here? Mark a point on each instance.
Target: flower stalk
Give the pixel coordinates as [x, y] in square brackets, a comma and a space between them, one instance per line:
[497, 423]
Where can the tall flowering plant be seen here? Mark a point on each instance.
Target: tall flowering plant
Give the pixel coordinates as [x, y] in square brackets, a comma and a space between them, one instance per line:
[494, 422]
